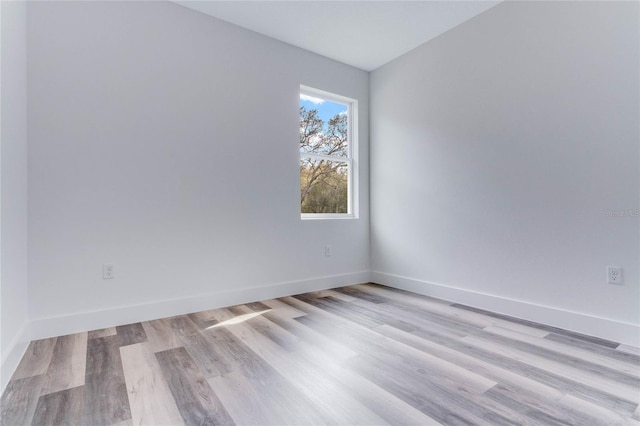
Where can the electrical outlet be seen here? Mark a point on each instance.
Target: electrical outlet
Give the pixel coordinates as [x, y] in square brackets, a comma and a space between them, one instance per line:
[108, 271]
[327, 251]
[614, 275]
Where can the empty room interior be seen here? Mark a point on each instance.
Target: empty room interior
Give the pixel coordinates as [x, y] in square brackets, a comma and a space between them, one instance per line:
[311, 212]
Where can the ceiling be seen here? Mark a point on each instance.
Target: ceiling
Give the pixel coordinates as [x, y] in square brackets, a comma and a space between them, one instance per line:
[364, 34]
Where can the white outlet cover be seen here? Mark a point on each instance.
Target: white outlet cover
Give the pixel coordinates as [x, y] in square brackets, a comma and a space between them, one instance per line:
[614, 275]
[108, 271]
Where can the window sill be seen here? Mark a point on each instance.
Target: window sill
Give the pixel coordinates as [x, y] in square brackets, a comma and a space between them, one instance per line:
[322, 216]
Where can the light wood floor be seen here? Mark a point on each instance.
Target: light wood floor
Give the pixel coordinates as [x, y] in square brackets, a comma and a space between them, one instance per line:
[359, 355]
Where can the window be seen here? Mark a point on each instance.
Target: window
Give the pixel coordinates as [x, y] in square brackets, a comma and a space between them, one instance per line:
[327, 152]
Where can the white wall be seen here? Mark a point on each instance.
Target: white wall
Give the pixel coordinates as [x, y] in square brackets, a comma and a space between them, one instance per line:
[162, 141]
[165, 142]
[497, 150]
[13, 189]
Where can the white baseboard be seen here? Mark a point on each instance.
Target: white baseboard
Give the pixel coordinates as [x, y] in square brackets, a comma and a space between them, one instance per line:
[42, 328]
[12, 353]
[603, 328]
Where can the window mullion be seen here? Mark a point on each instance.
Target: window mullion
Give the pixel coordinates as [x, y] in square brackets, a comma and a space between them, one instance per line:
[324, 157]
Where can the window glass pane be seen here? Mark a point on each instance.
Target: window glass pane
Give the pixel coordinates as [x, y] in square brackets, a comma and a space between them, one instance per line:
[324, 126]
[323, 186]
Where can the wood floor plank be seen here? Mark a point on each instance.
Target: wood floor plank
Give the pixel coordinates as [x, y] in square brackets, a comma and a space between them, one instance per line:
[60, 408]
[332, 349]
[492, 371]
[544, 410]
[540, 400]
[550, 379]
[408, 302]
[431, 368]
[380, 312]
[359, 294]
[282, 309]
[150, 398]
[196, 401]
[602, 363]
[105, 399]
[127, 422]
[332, 293]
[579, 336]
[205, 353]
[363, 354]
[429, 380]
[394, 411]
[131, 334]
[332, 399]
[614, 353]
[367, 341]
[555, 381]
[102, 332]
[422, 319]
[383, 290]
[204, 350]
[183, 326]
[257, 306]
[620, 390]
[629, 349]
[19, 400]
[250, 409]
[203, 319]
[599, 414]
[68, 363]
[263, 388]
[272, 331]
[407, 319]
[590, 371]
[36, 359]
[419, 393]
[251, 402]
[160, 335]
[330, 305]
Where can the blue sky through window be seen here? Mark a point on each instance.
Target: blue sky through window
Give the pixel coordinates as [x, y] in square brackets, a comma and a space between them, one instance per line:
[326, 109]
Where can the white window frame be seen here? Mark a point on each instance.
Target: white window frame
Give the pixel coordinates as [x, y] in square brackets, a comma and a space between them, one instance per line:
[350, 160]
